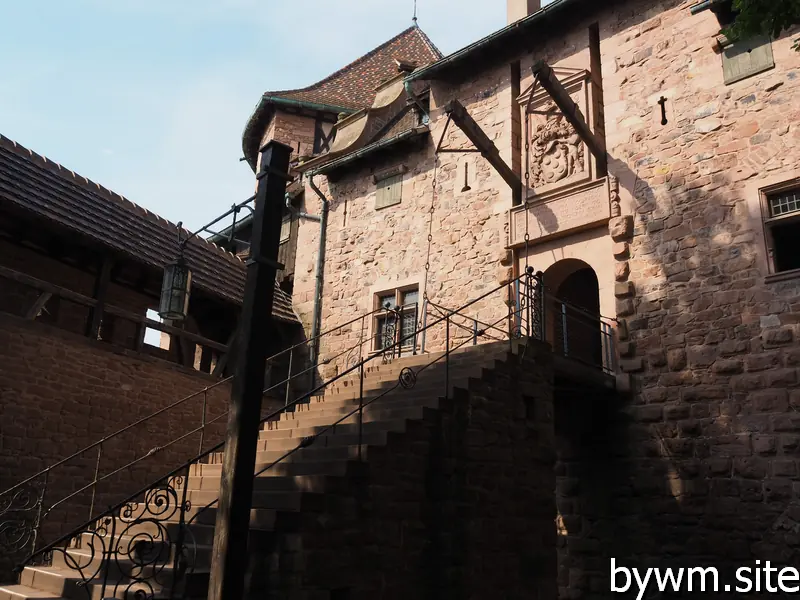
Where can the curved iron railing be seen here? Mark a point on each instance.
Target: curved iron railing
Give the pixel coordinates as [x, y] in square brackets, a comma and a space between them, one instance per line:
[146, 545]
[26, 506]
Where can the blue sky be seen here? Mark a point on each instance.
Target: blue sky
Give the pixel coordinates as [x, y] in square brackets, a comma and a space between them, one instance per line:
[149, 97]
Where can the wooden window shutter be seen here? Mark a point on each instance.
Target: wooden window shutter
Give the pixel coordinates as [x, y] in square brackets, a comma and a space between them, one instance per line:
[389, 191]
[746, 58]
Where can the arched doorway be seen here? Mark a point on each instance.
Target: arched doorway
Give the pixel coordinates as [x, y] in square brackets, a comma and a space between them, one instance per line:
[573, 308]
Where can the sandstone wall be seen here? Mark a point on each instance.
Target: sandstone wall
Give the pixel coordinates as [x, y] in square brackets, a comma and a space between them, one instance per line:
[369, 250]
[297, 131]
[699, 466]
[60, 392]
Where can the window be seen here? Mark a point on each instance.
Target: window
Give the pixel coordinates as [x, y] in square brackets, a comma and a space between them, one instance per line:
[400, 310]
[781, 208]
[286, 228]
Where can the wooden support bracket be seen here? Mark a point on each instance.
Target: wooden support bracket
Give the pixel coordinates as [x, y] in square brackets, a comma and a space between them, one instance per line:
[459, 115]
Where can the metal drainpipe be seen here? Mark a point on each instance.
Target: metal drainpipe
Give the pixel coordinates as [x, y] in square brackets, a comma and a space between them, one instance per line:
[323, 224]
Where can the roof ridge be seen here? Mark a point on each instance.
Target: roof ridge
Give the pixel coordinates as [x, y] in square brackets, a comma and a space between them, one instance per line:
[351, 64]
[96, 188]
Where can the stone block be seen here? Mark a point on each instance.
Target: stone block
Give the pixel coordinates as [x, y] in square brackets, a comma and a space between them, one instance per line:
[772, 338]
[631, 365]
[625, 349]
[621, 250]
[702, 356]
[621, 270]
[625, 307]
[623, 289]
[620, 228]
[622, 329]
[727, 367]
[764, 444]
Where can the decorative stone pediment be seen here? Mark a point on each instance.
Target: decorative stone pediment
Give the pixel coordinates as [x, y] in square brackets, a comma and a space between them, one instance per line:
[556, 156]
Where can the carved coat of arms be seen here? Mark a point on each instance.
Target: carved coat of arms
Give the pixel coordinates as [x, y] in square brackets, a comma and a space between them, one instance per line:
[557, 152]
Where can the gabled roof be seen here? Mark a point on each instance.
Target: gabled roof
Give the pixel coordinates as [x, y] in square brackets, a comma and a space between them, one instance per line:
[37, 186]
[347, 90]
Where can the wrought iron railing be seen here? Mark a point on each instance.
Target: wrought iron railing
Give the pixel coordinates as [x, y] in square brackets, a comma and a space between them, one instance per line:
[68, 491]
[147, 544]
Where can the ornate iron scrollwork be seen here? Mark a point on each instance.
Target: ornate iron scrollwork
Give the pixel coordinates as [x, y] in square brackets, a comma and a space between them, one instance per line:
[408, 378]
[141, 551]
[19, 519]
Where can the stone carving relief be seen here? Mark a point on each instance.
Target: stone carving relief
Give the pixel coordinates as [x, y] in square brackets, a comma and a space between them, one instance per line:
[556, 150]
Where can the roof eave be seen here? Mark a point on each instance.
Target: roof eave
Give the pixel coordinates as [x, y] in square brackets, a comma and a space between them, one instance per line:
[436, 69]
[367, 150]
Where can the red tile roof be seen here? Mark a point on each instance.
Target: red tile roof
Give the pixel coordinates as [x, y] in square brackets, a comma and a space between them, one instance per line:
[349, 89]
[44, 189]
[354, 86]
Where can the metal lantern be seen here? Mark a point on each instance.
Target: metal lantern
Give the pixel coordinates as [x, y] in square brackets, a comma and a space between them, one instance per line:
[175, 288]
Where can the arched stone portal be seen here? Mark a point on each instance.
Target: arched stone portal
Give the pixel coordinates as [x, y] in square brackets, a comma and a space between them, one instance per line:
[573, 307]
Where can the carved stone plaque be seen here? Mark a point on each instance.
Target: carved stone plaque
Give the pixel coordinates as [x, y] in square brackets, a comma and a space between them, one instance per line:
[584, 206]
[556, 155]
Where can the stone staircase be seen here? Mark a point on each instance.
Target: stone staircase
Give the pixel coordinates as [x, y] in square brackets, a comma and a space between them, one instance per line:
[316, 513]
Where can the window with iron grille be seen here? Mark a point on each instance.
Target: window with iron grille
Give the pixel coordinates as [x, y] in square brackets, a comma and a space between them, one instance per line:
[781, 208]
[398, 319]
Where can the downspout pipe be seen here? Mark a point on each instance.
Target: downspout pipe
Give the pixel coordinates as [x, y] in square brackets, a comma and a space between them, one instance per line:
[316, 322]
[299, 214]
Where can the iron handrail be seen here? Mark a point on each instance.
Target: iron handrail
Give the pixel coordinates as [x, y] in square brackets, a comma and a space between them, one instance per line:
[276, 413]
[402, 381]
[486, 326]
[98, 445]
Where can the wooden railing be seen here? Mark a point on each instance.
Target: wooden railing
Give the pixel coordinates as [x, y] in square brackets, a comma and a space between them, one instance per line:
[213, 354]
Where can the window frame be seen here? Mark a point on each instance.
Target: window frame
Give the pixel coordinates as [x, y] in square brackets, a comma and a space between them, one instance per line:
[286, 221]
[768, 222]
[405, 310]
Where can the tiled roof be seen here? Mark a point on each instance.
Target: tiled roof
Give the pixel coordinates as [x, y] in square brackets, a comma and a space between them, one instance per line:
[350, 88]
[354, 86]
[39, 186]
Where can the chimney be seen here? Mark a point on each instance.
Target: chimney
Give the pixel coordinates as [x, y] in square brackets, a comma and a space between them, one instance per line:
[519, 9]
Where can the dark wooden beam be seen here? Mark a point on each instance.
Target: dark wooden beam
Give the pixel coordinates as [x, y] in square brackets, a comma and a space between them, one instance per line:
[100, 293]
[229, 556]
[572, 113]
[459, 115]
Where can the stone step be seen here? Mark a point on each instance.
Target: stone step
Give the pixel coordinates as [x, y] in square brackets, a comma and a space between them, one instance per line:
[23, 592]
[291, 500]
[67, 583]
[375, 415]
[301, 432]
[331, 467]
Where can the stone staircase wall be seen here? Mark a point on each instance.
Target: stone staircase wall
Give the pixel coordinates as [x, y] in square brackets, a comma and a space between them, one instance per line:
[460, 504]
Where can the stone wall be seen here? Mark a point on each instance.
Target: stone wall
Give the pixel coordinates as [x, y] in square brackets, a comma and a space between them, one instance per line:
[369, 250]
[699, 465]
[60, 392]
[297, 131]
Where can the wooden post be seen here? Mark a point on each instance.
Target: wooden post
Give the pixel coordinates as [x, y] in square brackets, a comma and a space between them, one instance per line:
[229, 558]
[100, 290]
